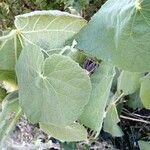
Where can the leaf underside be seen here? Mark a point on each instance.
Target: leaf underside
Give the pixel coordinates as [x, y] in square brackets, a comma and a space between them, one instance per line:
[119, 33]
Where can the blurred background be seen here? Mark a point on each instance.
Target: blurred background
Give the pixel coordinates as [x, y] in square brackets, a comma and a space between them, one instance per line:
[10, 8]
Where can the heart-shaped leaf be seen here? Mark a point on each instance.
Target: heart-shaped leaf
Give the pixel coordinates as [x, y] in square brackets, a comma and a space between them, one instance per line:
[54, 90]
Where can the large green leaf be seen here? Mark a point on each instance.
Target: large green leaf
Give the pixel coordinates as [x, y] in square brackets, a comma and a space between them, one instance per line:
[94, 112]
[111, 122]
[73, 132]
[128, 82]
[48, 29]
[119, 33]
[54, 90]
[145, 91]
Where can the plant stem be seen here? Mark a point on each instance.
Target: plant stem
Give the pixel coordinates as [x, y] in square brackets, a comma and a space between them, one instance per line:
[134, 119]
[119, 97]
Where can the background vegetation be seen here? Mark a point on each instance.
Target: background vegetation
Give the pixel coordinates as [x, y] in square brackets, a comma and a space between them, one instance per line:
[10, 8]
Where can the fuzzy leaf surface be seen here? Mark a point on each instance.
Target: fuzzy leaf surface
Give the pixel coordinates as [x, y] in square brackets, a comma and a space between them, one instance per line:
[134, 101]
[70, 133]
[111, 122]
[119, 33]
[10, 106]
[54, 90]
[94, 112]
[50, 30]
[145, 91]
[129, 82]
[9, 51]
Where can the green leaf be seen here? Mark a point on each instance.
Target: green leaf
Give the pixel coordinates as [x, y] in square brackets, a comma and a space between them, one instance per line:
[8, 75]
[134, 101]
[145, 91]
[9, 51]
[144, 145]
[10, 108]
[3, 33]
[50, 30]
[2, 94]
[10, 103]
[119, 33]
[53, 91]
[94, 112]
[128, 82]
[77, 56]
[73, 132]
[111, 122]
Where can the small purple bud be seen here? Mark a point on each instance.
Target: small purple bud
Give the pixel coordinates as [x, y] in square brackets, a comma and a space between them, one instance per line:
[90, 65]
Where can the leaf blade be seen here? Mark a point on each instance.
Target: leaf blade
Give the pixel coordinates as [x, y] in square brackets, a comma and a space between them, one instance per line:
[116, 37]
[73, 132]
[63, 87]
[145, 91]
[52, 35]
[129, 82]
[111, 122]
[94, 111]
[10, 108]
